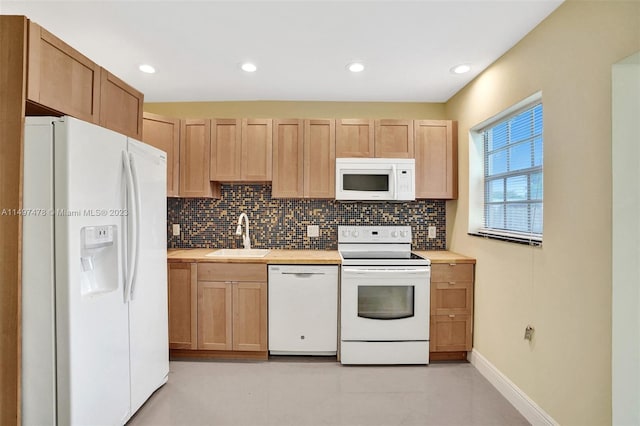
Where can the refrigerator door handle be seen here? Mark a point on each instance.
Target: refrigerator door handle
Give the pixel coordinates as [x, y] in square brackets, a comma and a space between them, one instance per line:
[136, 224]
[130, 266]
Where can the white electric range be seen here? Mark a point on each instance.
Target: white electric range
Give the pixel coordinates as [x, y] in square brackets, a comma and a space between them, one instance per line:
[384, 297]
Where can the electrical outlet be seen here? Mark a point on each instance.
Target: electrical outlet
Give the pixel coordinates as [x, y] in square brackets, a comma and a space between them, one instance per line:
[313, 231]
[528, 333]
[431, 232]
[176, 229]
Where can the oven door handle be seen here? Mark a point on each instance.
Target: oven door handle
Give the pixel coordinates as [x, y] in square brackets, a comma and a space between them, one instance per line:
[386, 271]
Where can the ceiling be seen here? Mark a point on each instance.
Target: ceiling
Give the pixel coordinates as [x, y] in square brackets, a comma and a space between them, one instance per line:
[301, 48]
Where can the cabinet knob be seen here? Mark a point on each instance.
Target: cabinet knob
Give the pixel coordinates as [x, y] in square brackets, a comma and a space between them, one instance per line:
[452, 264]
[452, 282]
[452, 316]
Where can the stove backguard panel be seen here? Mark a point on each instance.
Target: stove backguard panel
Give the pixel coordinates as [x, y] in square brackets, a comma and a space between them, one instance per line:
[282, 223]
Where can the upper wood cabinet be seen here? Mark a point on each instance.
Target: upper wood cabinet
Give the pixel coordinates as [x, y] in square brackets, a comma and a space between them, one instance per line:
[195, 147]
[120, 106]
[288, 159]
[256, 149]
[61, 78]
[394, 139]
[354, 138]
[164, 133]
[304, 157]
[319, 159]
[241, 150]
[436, 154]
[226, 150]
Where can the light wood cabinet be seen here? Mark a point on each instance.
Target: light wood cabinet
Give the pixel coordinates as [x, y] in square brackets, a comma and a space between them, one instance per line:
[241, 150]
[232, 307]
[164, 133]
[226, 150]
[288, 159]
[120, 106]
[393, 138]
[182, 285]
[60, 77]
[354, 138]
[451, 324]
[195, 149]
[304, 157]
[319, 159]
[436, 154]
[256, 149]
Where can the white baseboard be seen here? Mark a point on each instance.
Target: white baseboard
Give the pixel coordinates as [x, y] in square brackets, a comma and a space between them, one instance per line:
[525, 405]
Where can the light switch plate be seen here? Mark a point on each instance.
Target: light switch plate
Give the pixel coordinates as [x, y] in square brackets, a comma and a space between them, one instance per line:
[176, 229]
[431, 232]
[313, 231]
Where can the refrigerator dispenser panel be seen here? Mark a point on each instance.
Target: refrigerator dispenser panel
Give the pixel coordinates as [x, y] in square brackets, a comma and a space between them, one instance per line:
[98, 259]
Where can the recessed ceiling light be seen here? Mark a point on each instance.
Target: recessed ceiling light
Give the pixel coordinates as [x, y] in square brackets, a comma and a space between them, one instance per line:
[355, 67]
[146, 68]
[248, 67]
[460, 69]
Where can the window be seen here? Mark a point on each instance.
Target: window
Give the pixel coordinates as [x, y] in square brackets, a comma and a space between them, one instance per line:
[512, 148]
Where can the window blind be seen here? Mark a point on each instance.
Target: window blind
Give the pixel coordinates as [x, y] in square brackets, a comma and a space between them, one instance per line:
[513, 178]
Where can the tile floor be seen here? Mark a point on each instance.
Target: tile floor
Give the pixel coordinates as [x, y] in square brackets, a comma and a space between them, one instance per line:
[278, 393]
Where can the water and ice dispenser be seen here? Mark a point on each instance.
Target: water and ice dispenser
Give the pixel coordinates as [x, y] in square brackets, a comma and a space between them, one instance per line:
[99, 259]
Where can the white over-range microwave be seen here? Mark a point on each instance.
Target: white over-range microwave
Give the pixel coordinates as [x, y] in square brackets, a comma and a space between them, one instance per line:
[375, 179]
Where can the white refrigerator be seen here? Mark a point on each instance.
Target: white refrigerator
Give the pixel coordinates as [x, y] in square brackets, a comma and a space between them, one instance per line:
[94, 274]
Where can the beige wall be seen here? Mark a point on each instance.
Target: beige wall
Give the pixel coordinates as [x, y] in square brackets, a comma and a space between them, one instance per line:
[291, 109]
[564, 288]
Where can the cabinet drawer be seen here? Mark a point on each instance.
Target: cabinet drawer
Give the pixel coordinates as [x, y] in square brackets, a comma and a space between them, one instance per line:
[451, 298]
[451, 272]
[450, 333]
[232, 272]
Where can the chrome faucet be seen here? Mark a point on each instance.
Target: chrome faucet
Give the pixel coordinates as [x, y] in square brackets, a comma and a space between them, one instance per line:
[246, 241]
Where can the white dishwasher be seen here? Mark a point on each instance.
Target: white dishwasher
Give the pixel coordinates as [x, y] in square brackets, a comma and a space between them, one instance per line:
[303, 309]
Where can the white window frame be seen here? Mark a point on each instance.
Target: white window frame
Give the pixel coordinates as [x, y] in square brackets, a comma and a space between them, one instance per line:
[476, 176]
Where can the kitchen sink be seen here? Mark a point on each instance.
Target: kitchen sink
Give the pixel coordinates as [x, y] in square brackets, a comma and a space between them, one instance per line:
[239, 253]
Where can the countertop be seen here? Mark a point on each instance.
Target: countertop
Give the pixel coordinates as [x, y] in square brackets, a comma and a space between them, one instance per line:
[327, 257]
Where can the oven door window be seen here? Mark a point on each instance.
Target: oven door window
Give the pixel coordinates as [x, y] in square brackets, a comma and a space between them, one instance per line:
[365, 182]
[385, 302]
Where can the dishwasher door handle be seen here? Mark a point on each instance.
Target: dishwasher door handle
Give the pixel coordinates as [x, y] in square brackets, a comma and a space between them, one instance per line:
[302, 274]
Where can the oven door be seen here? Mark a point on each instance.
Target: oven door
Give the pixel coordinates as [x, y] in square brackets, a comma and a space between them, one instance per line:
[385, 303]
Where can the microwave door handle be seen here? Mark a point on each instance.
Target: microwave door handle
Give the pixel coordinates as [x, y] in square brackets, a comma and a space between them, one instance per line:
[394, 176]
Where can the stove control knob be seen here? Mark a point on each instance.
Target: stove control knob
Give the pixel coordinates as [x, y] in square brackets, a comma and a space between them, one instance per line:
[345, 232]
[403, 234]
[355, 233]
[394, 234]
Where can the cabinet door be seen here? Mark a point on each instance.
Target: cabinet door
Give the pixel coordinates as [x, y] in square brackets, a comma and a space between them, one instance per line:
[436, 153]
[226, 150]
[194, 160]
[394, 139]
[61, 78]
[120, 106]
[183, 302]
[250, 316]
[164, 133]
[288, 159]
[256, 150]
[214, 315]
[319, 159]
[450, 333]
[354, 138]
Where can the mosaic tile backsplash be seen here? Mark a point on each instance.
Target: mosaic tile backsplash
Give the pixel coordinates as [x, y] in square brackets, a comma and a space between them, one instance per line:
[282, 223]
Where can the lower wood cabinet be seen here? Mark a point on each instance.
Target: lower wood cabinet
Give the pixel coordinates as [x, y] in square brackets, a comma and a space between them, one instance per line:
[451, 327]
[183, 304]
[218, 307]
